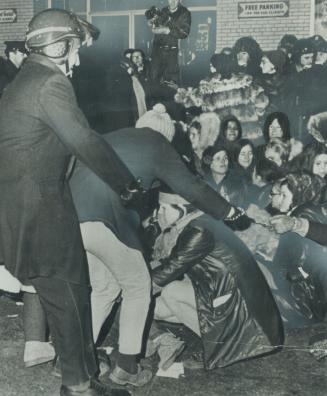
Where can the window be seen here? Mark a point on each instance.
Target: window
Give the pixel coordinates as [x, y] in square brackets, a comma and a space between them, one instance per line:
[77, 6]
[40, 5]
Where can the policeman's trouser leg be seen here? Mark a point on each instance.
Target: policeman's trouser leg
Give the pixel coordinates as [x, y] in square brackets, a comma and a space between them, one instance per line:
[67, 307]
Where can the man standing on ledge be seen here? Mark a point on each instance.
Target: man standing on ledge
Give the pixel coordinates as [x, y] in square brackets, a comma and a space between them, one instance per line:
[174, 24]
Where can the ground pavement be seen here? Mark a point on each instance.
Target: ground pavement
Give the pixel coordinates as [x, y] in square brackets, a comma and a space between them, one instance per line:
[293, 371]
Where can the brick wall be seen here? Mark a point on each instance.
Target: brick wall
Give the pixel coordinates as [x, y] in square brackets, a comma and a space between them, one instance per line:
[15, 31]
[267, 31]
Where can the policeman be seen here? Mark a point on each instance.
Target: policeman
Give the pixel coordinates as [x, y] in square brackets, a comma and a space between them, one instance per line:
[41, 127]
[16, 53]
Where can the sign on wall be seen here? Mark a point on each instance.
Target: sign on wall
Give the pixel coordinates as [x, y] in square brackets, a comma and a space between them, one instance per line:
[8, 15]
[321, 18]
[264, 9]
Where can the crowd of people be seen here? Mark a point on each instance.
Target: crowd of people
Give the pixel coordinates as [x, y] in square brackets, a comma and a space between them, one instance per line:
[172, 211]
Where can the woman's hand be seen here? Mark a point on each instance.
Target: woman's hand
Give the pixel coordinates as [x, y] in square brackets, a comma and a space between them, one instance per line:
[282, 223]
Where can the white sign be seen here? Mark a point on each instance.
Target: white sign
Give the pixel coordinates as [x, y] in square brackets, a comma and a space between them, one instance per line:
[8, 15]
[264, 9]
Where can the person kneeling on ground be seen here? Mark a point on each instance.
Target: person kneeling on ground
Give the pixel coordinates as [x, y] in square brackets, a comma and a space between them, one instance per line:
[216, 298]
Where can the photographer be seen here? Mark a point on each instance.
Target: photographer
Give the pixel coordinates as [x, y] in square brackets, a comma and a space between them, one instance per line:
[168, 25]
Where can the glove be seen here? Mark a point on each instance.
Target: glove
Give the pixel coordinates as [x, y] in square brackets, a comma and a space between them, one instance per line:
[238, 221]
[135, 197]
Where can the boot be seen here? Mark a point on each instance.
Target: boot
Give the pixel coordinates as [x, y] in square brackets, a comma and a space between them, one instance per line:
[96, 388]
[37, 352]
[121, 377]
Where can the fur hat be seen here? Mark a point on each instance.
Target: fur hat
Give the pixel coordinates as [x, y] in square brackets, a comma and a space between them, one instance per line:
[305, 188]
[278, 58]
[159, 120]
[302, 47]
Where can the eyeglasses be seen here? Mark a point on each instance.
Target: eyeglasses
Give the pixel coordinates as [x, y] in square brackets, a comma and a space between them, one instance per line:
[272, 193]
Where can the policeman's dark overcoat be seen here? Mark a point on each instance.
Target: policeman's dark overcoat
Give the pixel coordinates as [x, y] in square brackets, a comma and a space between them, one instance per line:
[41, 127]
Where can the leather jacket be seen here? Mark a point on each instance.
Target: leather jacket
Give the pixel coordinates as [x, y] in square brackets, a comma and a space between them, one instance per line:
[235, 330]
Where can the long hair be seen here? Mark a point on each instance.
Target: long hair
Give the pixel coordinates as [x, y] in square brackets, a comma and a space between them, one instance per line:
[283, 121]
[280, 147]
[223, 128]
[304, 162]
[236, 149]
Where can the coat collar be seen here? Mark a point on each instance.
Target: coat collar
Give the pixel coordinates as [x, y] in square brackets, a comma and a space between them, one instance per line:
[43, 60]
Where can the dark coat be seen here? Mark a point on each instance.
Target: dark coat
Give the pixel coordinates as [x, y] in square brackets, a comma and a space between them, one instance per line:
[150, 156]
[248, 324]
[294, 251]
[8, 72]
[179, 24]
[41, 127]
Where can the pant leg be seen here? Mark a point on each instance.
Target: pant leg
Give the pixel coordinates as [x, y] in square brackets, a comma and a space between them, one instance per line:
[131, 273]
[157, 64]
[34, 319]
[105, 290]
[171, 72]
[179, 297]
[67, 307]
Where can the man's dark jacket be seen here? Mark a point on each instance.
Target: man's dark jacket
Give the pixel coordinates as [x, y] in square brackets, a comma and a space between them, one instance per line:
[179, 24]
[150, 156]
[41, 127]
[8, 72]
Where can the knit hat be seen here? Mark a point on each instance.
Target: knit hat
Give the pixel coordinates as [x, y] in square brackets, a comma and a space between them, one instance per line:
[159, 120]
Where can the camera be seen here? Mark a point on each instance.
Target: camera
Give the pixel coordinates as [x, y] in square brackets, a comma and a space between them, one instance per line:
[156, 16]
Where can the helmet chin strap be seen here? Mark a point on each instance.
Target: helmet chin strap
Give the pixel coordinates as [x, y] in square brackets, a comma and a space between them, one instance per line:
[62, 56]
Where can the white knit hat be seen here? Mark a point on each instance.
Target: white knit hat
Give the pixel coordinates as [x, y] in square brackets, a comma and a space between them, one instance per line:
[159, 120]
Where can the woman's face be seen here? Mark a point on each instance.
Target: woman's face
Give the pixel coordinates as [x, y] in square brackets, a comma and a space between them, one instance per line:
[273, 156]
[306, 60]
[137, 58]
[219, 163]
[321, 58]
[275, 130]
[266, 66]
[320, 165]
[232, 131]
[243, 58]
[167, 215]
[245, 156]
[194, 138]
[281, 198]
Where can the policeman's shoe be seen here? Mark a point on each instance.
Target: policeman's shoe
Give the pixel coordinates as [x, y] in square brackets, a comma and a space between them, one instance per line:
[96, 388]
[37, 352]
[121, 377]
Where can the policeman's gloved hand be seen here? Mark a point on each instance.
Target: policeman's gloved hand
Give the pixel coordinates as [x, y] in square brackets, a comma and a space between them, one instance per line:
[238, 220]
[135, 197]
